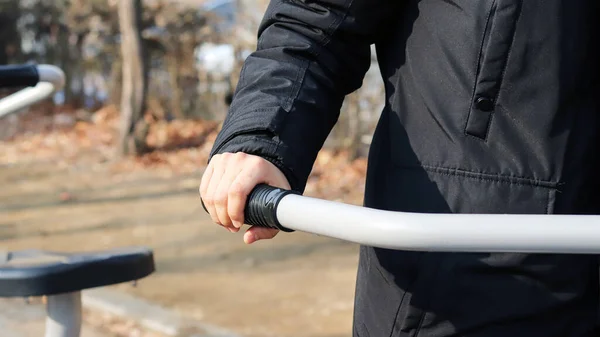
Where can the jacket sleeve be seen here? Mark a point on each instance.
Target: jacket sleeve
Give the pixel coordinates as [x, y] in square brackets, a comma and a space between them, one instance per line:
[310, 55]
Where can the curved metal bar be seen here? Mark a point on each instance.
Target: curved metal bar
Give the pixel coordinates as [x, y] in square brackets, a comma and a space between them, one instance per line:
[568, 234]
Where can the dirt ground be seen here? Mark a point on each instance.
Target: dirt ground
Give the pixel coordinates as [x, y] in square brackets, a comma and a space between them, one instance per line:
[297, 285]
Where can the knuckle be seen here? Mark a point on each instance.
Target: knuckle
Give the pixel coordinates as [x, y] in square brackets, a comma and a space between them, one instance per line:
[236, 216]
[237, 158]
[208, 199]
[259, 163]
[220, 199]
[225, 219]
[226, 156]
[219, 215]
[236, 191]
[236, 212]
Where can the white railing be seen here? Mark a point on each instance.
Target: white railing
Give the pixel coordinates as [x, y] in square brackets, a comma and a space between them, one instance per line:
[51, 79]
[527, 233]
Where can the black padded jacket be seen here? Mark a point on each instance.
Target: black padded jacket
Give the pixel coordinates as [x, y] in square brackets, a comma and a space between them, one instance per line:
[492, 106]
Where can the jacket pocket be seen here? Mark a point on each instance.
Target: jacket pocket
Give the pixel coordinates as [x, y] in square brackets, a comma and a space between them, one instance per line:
[495, 49]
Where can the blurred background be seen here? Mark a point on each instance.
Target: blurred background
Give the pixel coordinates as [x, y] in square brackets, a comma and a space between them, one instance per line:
[115, 159]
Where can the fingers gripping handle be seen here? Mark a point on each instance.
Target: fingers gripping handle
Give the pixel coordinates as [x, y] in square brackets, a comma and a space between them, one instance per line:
[261, 207]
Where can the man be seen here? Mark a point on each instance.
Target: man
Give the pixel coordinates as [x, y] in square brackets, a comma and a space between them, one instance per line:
[492, 106]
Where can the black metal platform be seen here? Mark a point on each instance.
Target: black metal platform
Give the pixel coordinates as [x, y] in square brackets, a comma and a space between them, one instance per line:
[38, 273]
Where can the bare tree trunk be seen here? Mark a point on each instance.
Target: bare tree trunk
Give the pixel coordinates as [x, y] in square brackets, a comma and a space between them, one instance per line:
[116, 81]
[133, 97]
[10, 37]
[176, 95]
[70, 65]
[354, 131]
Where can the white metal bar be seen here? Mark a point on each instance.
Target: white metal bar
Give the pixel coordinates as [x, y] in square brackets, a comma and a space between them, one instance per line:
[568, 234]
[64, 315]
[51, 80]
[51, 74]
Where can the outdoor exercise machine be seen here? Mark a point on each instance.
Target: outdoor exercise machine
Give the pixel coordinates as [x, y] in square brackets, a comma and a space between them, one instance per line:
[62, 276]
[58, 275]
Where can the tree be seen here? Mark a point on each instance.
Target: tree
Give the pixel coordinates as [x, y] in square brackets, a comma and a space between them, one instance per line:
[133, 129]
[10, 38]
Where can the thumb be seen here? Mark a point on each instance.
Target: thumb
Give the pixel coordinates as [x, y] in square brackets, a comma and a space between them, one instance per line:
[254, 234]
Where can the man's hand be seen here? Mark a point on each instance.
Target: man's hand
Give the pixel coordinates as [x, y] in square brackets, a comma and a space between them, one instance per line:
[226, 183]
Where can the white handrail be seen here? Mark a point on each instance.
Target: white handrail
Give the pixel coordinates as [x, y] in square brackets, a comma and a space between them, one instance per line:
[564, 234]
[51, 79]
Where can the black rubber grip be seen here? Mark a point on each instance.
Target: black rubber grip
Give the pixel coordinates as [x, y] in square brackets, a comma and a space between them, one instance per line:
[14, 76]
[261, 207]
